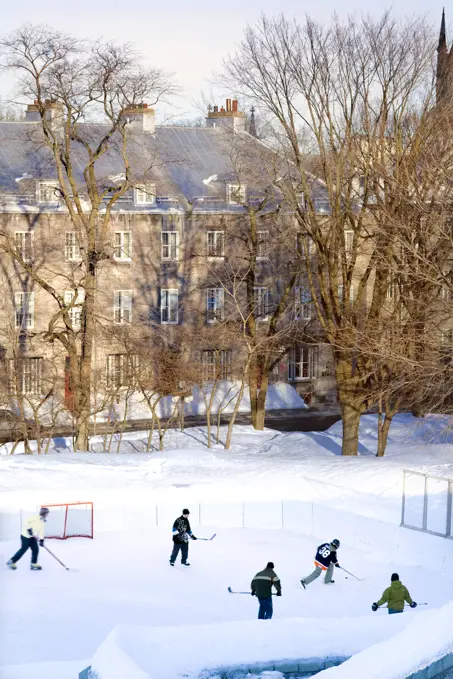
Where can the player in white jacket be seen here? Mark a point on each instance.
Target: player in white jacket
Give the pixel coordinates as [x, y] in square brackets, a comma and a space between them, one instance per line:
[32, 535]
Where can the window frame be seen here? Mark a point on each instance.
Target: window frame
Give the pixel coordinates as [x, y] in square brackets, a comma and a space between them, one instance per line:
[128, 364]
[22, 247]
[260, 242]
[35, 380]
[168, 294]
[236, 188]
[169, 246]
[75, 311]
[301, 306]
[142, 193]
[29, 298]
[119, 247]
[47, 183]
[75, 245]
[119, 309]
[215, 235]
[215, 314]
[220, 368]
[259, 289]
[311, 360]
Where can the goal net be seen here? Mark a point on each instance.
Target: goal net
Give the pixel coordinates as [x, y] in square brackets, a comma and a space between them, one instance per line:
[71, 520]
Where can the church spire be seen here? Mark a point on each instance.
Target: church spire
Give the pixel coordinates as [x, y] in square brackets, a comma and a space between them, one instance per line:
[443, 34]
[252, 129]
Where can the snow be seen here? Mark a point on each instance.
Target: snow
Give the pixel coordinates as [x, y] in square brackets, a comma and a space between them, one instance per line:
[428, 638]
[123, 585]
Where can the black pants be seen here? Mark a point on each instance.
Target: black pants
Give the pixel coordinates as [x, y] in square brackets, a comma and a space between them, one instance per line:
[27, 543]
[184, 552]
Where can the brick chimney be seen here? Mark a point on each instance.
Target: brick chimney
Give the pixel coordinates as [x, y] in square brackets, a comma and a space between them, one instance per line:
[140, 117]
[53, 111]
[227, 117]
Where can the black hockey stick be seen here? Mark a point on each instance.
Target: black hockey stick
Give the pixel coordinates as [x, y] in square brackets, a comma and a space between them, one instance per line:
[56, 558]
[208, 539]
[233, 592]
[384, 608]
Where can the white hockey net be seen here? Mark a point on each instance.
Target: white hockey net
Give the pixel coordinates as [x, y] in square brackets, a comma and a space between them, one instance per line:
[72, 520]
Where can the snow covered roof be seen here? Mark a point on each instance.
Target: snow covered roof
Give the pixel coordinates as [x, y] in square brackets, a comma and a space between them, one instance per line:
[179, 160]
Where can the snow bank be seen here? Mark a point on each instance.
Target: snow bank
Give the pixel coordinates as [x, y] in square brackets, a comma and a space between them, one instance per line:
[47, 670]
[139, 652]
[280, 396]
[405, 429]
[428, 638]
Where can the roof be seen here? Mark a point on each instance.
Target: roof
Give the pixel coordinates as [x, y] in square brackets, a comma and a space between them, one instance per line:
[186, 164]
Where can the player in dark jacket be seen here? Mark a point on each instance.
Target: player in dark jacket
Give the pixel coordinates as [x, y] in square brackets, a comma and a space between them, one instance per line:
[261, 587]
[325, 560]
[182, 533]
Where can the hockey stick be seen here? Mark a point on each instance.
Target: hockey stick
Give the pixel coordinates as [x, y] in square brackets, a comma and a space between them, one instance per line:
[233, 592]
[208, 539]
[352, 574]
[384, 608]
[56, 558]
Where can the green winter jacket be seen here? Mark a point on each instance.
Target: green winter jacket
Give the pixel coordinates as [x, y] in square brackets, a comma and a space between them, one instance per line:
[395, 596]
[263, 581]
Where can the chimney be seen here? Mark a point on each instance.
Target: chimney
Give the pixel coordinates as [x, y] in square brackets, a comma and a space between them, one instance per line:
[53, 110]
[229, 117]
[140, 117]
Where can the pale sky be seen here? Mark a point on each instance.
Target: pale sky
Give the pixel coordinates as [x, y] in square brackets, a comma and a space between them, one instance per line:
[187, 37]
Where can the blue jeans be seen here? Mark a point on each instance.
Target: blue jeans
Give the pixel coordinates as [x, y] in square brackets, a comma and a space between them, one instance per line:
[393, 610]
[266, 610]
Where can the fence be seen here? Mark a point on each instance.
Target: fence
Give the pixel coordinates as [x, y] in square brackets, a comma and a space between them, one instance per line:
[427, 503]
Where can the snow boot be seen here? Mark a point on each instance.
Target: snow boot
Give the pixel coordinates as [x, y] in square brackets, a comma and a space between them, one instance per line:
[35, 567]
[171, 564]
[302, 582]
[186, 564]
[11, 565]
[332, 582]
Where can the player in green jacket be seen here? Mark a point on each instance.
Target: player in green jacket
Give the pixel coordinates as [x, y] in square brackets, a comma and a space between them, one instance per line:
[395, 596]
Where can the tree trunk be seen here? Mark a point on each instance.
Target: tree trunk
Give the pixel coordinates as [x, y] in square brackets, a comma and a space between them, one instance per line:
[261, 401]
[234, 414]
[253, 391]
[383, 433]
[350, 415]
[83, 398]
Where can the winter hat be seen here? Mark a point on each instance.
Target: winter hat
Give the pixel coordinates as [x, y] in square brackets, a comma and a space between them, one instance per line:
[395, 577]
[270, 565]
[185, 511]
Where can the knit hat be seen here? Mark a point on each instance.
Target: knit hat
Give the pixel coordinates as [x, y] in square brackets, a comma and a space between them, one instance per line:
[185, 511]
[395, 577]
[270, 565]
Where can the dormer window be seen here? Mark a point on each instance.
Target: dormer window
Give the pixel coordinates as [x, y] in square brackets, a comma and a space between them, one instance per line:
[145, 194]
[48, 192]
[236, 194]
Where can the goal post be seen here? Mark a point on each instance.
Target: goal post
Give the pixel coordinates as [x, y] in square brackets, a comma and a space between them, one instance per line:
[69, 520]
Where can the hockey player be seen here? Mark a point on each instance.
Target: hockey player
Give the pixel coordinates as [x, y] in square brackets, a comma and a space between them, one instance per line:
[261, 587]
[32, 535]
[325, 560]
[182, 533]
[395, 596]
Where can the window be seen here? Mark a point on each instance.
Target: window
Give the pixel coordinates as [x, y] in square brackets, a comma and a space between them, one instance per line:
[348, 241]
[260, 303]
[122, 246]
[216, 244]
[122, 311]
[24, 310]
[26, 375]
[24, 245]
[145, 194]
[303, 303]
[216, 364]
[169, 306]
[236, 193]
[74, 302]
[122, 370]
[72, 247]
[49, 192]
[170, 246]
[214, 305]
[303, 363]
[351, 294]
[262, 245]
[391, 288]
[304, 241]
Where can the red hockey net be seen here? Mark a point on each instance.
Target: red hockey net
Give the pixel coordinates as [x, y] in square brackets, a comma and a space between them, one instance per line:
[70, 520]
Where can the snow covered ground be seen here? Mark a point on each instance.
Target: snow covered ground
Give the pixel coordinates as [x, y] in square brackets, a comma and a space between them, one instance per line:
[123, 576]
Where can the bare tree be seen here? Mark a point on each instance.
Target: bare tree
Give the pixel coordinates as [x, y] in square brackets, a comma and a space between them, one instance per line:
[71, 83]
[357, 98]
